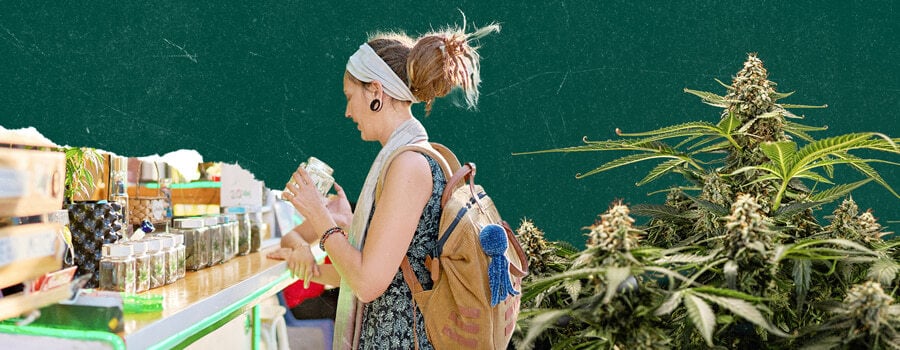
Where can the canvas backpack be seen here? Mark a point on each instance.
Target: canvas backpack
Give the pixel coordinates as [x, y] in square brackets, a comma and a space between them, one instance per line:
[462, 311]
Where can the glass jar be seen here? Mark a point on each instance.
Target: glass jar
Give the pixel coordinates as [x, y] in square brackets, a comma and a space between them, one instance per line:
[243, 228]
[157, 262]
[170, 257]
[196, 242]
[141, 266]
[216, 240]
[117, 269]
[319, 173]
[179, 255]
[229, 248]
[258, 229]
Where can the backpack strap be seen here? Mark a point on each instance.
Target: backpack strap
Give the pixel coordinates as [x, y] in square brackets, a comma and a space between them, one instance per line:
[449, 164]
[440, 153]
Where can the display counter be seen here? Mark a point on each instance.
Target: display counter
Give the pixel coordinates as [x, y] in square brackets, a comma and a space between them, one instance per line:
[194, 306]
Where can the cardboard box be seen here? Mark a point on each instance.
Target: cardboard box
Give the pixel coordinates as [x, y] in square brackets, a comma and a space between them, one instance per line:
[31, 179]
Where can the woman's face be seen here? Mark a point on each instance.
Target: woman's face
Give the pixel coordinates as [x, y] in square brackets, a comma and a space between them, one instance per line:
[358, 100]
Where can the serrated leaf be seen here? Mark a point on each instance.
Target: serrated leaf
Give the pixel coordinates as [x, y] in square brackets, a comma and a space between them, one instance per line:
[687, 258]
[789, 210]
[867, 170]
[812, 176]
[729, 123]
[785, 105]
[780, 95]
[701, 315]
[802, 272]
[614, 277]
[669, 130]
[626, 160]
[670, 304]
[710, 98]
[542, 322]
[746, 311]
[710, 206]
[839, 191]
[780, 153]
[789, 125]
[884, 271]
[573, 288]
[660, 211]
[660, 170]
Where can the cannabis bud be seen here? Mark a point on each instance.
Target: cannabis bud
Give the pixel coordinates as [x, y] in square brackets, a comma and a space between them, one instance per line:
[868, 304]
[614, 232]
[747, 227]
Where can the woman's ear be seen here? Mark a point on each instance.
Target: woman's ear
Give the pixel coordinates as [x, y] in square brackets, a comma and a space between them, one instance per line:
[376, 89]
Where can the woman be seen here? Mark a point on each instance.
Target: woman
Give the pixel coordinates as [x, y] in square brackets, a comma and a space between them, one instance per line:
[383, 79]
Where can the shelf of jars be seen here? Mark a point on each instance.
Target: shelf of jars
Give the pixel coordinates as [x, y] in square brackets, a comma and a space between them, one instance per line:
[191, 307]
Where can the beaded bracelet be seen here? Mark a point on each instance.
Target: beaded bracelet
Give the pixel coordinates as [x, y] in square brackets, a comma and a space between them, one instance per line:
[328, 234]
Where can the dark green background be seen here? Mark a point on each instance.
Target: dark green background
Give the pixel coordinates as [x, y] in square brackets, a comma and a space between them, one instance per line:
[260, 83]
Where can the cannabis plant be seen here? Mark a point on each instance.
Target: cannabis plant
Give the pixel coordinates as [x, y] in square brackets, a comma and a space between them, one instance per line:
[735, 256]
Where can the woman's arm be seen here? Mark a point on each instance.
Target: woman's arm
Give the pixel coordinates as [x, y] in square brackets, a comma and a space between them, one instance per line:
[407, 188]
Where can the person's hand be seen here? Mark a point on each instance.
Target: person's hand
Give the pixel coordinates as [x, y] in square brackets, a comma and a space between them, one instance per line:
[302, 264]
[339, 207]
[279, 254]
[301, 192]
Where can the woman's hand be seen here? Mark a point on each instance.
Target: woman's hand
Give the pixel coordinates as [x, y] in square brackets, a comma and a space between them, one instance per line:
[303, 195]
[302, 263]
[339, 207]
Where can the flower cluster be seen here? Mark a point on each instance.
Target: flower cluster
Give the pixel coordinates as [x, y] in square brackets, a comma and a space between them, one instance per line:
[845, 223]
[751, 90]
[614, 232]
[747, 227]
[535, 246]
[868, 305]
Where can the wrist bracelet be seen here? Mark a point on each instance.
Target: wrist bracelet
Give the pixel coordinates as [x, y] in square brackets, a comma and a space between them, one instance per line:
[328, 233]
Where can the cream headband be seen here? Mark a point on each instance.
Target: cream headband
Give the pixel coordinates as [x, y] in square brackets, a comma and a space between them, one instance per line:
[367, 66]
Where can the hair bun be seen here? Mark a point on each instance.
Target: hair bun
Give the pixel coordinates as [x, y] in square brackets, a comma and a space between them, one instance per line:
[440, 61]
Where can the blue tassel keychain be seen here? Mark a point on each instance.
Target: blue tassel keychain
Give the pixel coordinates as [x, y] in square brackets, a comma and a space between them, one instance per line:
[493, 242]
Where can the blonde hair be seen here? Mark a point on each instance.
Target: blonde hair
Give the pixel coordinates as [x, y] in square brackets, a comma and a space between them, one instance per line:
[435, 63]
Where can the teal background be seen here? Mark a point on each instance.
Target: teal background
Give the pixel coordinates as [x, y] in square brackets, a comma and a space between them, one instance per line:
[259, 83]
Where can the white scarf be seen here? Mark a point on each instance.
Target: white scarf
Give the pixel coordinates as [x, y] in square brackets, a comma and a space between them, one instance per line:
[367, 66]
[348, 320]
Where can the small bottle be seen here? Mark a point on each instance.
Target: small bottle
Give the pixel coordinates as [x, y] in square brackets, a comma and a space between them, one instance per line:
[141, 266]
[179, 253]
[170, 258]
[118, 191]
[196, 242]
[157, 262]
[117, 269]
[216, 240]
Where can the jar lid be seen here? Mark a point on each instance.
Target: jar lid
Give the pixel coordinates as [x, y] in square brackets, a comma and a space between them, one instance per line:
[139, 247]
[153, 244]
[179, 239]
[188, 222]
[211, 220]
[318, 164]
[120, 250]
[166, 241]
